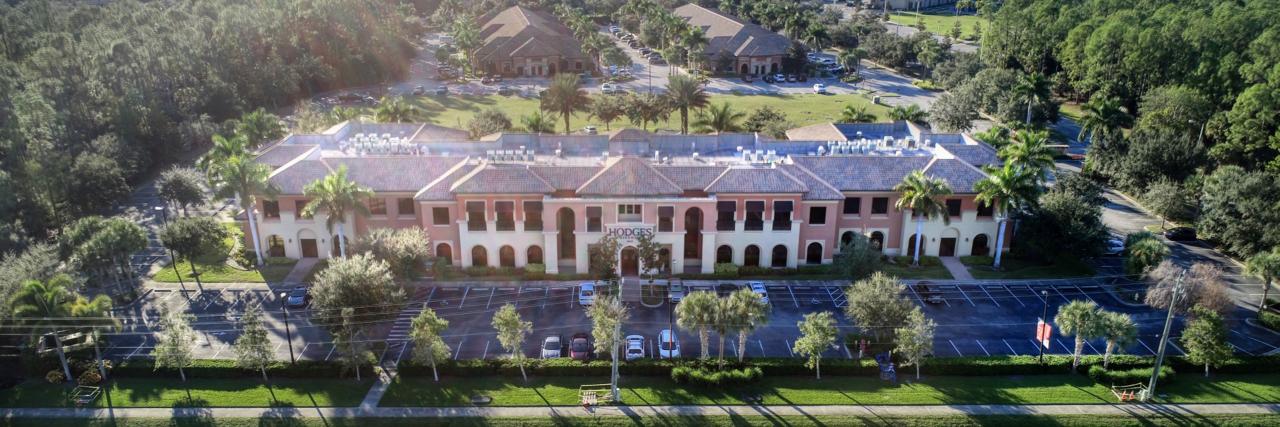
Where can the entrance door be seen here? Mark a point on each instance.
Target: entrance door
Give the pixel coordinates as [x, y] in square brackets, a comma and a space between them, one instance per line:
[309, 248]
[630, 262]
[947, 247]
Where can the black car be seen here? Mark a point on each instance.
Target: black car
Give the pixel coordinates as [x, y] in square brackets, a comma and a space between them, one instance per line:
[927, 293]
[1180, 234]
[768, 78]
[657, 60]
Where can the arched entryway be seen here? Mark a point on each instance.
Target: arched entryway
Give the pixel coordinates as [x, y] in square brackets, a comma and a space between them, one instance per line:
[630, 261]
[479, 257]
[444, 253]
[275, 246]
[980, 246]
[779, 258]
[664, 261]
[724, 254]
[307, 243]
[744, 69]
[693, 234]
[948, 241]
[533, 255]
[877, 240]
[751, 256]
[564, 233]
[506, 256]
[846, 238]
[911, 247]
[813, 253]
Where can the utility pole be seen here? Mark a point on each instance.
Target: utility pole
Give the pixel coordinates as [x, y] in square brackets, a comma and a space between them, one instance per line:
[1164, 337]
[1044, 318]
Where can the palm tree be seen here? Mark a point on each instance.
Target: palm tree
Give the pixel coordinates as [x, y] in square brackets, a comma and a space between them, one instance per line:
[920, 194]
[750, 312]
[1033, 88]
[850, 58]
[536, 122]
[1102, 117]
[719, 119]
[855, 114]
[337, 196]
[564, 97]
[723, 321]
[342, 114]
[684, 93]
[694, 41]
[643, 109]
[44, 307]
[244, 179]
[96, 314]
[259, 126]
[1265, 266]
[1081, 319]
[911, 113]
[1005, 189]
[223, 148]
[396, 110]
[1119, 331]
[1030, 151]
[697, 311]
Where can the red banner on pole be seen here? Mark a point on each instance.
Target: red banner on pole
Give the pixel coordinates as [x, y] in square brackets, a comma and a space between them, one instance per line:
[1043, 332]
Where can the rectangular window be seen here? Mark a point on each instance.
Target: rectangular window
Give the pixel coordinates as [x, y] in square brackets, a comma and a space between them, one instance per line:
[270, 209]
[755, 216]
[879, 205]
[724, 215]
[817, 215]
[378, 206]
[953, 208]
[439, 216]
[298, 207]
[532, 216]
[782, 215]
[666, 215]
[985, 210]
[506, 215]
[629, 213]
[406, 207]
[852, 205]
[594, 214]
[475, 216]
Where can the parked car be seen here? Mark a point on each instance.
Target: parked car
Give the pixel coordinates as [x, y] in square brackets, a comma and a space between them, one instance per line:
[419, 90]
[298, 297]
[580, 347]
[608, 88]
[635, 347]
[586, 294]
[779, 78]
[819, 88]
[657, 60]
[668, 345]
[614, 28]
[442, 91]
[675, 292]
[551, 347]
[486, 80]
[812, 56]
[758, 288]
[590, 130]
[1115, 247]
[645, 51]
[768, 78]
[791, 78]
[1180, 234]
[927, 293]
[505, 91]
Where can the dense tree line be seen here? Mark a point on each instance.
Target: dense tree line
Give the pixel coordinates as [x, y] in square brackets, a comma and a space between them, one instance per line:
[92, 97]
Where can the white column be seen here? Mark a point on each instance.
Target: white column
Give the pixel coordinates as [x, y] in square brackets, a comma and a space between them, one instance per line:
[551, 254]
[709, 252]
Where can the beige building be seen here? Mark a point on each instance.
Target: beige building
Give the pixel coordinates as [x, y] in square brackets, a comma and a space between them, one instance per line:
[749, 48]
[519, 41]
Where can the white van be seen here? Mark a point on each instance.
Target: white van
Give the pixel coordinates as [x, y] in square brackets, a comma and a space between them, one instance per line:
[586, 294]
[668, 345]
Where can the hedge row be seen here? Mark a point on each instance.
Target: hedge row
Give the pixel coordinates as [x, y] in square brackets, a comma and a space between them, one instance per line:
[711, 377]
[1128, 376]
[209, 368]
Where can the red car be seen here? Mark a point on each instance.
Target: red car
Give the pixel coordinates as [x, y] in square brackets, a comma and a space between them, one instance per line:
[580, 347]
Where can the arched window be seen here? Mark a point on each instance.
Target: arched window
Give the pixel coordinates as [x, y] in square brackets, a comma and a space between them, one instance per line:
[724, 254]
[751, 256]
[534, 255]
[813, 253]
[980, 247]
[275, 246]
[779, 258]
[911, 246]
[877, 240]
[506, 256]
[445, 253]
[479, 257]
[846, 238]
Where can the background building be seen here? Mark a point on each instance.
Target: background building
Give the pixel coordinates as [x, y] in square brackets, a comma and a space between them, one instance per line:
[519, 41]
[744, 47]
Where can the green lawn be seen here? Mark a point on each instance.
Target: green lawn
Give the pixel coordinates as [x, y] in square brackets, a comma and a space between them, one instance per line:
[273, 271]
[164, 392]
[1012, 268]
[936, 272]
[1044, 389]
[455, 110]
[940, 23]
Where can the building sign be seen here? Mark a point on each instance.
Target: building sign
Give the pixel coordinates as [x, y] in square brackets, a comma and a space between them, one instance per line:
[628, 232]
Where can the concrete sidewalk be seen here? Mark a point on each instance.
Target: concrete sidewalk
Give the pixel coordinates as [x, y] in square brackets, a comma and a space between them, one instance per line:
[957, 268]
[1143, 410]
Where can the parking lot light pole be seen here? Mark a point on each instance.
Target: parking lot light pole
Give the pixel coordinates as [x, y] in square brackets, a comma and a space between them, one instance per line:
[1044, 317]
[1164, 338]
[284, 303]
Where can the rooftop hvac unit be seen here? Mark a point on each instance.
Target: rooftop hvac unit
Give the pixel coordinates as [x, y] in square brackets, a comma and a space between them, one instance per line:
[559, 153]
[821, 150]
[604, 155]
[695, 156]
[656, 156]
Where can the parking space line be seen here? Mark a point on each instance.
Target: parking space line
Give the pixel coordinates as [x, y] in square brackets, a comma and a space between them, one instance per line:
[1055, 290]
[1175, 347]
[846, 350]
[1069, 349]
[1037, 344]
[1144, 345]
[789, 351]
[983, 347]
[762, 353]
[1233, 346]
[957, 349]
[793, 297]
[1082, 292]
[733, 348]
[546, 294]
[965, 295]
[993, 299]
[1036, 294]
[430, 295]
[1255, 339]
[1015, 296]
[465, 292]
[486, 350]
[1011, 350]
[914, 294]
[331, 349]
[572, 291]
[135, 351]
[459, 348]
[491, 292]
[1091, 347]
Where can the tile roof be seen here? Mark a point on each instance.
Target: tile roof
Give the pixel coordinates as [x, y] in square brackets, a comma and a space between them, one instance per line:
[565, 177]
[293, 178]
[280, 154]
[729, 34]
[862, 173]
[524, 32]
[977, 155]
[394, 173]
[439, 190]
[691, 177]
[629, 176]
[756, 180]
[958, 174]
[818, 189]
[501, 179]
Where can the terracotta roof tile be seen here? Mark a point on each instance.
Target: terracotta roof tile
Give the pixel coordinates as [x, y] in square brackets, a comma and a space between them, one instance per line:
[862, 173]
[629, 176]
[394, 173]
[501, 179]
[691, 177]
[565, 177]
[293, 178]
[756, 180]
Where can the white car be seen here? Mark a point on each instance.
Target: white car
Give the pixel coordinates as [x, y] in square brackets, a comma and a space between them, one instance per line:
[1115, 247]
[608, 88]
[668, 345]
[819, 88]
[635, 347]
[586, 294]
[758, 288]
[675, 292]
[551, 347]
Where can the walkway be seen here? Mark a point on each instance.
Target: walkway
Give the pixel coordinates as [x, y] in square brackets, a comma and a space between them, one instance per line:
[956, 268]
[301, 269]
[1154, 410]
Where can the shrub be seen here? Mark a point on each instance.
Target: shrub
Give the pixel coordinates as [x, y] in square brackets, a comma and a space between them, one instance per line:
[55, 377]
[725, 269]
[751, 270]
[977, 260]
[1127, 376]
[710, 378]
[1270, 320]
[90, 377]
[925, 261]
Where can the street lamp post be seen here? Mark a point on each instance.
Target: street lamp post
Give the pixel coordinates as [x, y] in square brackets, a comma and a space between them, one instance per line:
[1044, 317]
[173, 261]
[288, 336]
